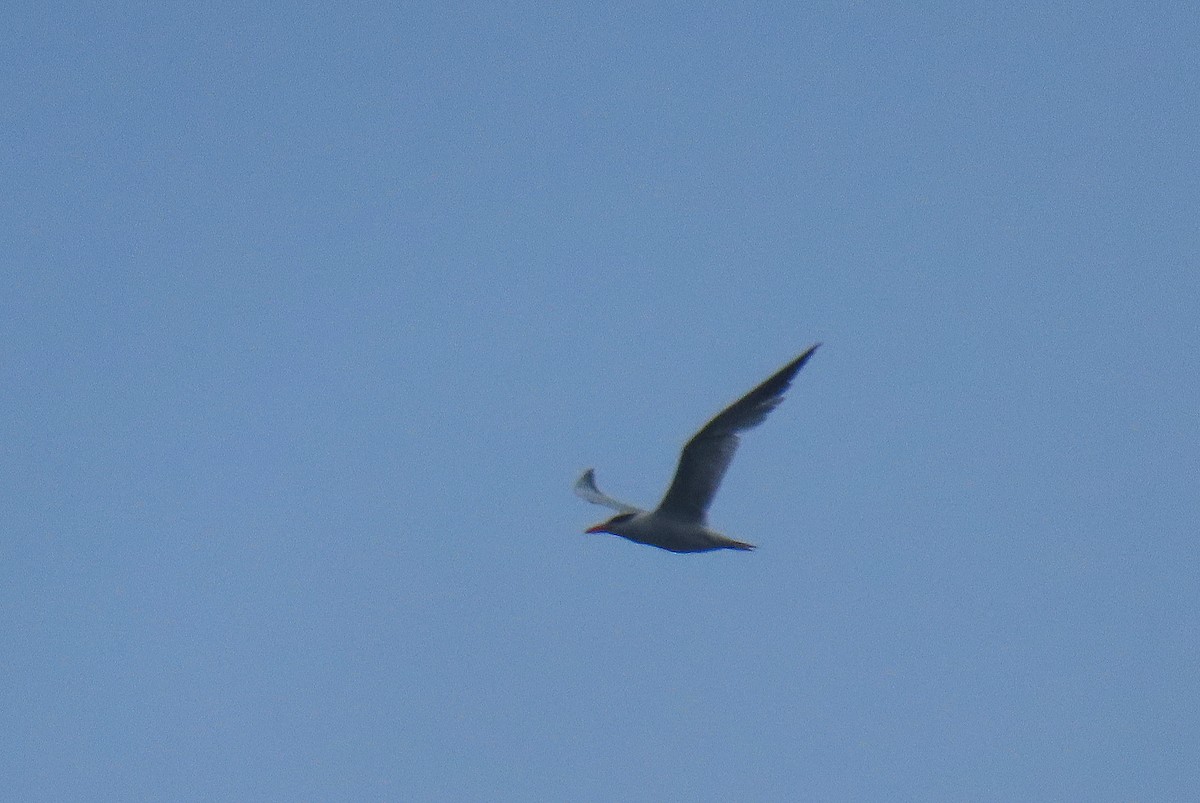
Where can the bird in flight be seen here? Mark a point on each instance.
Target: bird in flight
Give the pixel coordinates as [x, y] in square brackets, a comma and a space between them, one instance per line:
[679, 523]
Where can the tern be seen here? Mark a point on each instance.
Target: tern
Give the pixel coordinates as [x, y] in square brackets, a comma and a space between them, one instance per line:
[680, 522]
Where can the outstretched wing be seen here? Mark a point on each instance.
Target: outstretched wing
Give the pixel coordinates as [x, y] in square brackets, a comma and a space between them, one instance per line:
[585, 487]
[707, 455]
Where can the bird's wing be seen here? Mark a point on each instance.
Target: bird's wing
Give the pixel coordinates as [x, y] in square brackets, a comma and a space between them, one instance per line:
[707, 454]
[585, 487]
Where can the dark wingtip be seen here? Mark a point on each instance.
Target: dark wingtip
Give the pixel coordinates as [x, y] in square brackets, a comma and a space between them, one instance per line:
[803, 358]
[780, 381]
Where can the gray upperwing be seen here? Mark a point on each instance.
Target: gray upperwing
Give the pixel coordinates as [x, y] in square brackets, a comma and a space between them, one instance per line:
[585, 487]
[707, 455]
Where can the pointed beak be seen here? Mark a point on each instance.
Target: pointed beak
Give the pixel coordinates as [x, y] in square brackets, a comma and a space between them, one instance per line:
[599, 528]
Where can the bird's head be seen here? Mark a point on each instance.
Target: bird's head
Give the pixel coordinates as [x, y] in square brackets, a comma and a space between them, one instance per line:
[607, 526]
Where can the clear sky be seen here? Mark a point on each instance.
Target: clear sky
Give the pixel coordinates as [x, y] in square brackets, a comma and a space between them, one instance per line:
[312, 313]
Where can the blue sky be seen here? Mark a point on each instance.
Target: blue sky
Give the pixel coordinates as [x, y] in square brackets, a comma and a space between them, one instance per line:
[312, 316]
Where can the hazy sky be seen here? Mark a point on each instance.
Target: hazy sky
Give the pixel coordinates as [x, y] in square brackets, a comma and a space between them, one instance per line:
[311, 315]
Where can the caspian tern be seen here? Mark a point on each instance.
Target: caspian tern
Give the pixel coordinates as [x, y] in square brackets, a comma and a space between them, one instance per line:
[679, 523]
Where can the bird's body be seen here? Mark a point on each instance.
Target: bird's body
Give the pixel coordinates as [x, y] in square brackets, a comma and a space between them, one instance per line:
[654, 529]
[679, 523]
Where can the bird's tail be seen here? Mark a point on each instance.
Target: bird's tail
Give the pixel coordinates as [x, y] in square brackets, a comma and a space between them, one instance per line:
[742, 545]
